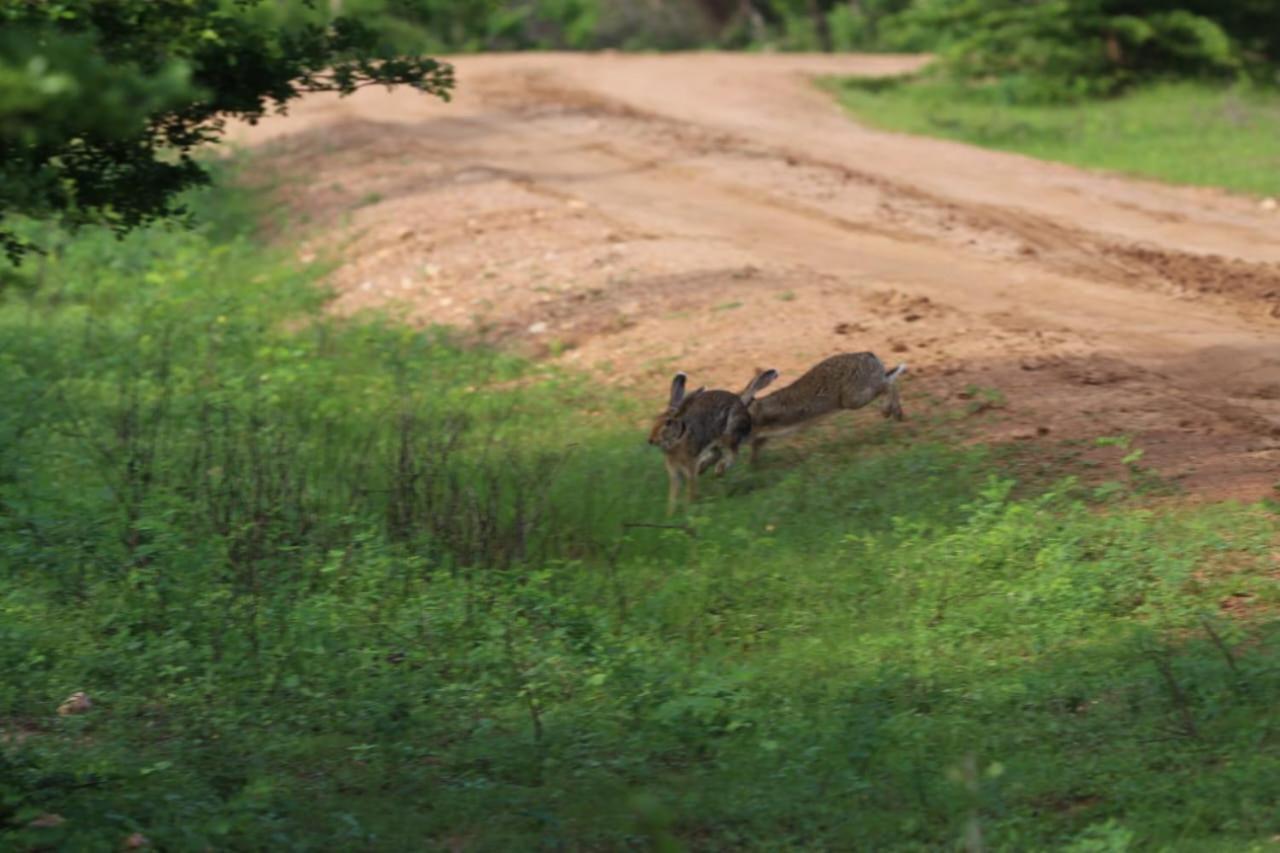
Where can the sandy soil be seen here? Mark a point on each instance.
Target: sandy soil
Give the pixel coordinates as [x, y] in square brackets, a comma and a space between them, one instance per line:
[631, 215]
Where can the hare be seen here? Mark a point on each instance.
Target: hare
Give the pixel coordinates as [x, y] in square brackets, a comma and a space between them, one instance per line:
[700, 428]
[847, 381]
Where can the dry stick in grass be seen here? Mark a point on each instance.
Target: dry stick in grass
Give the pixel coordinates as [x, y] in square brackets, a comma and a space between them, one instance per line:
[683, 528]
[1222, 647]
[615, 553]
[1165, 668]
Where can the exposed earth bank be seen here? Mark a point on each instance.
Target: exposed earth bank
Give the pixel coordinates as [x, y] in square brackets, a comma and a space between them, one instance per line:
[634, 215]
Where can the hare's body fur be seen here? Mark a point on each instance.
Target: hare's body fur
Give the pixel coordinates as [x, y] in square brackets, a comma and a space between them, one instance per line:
[700, 428]
[845, 381]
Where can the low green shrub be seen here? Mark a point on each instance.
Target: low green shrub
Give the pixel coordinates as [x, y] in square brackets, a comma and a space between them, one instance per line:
[342, 583]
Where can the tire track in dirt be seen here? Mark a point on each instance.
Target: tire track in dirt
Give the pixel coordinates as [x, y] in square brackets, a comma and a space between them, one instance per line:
[908, 212]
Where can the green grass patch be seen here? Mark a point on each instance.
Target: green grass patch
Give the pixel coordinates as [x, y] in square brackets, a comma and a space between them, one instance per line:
[342, 584]
[1182, 133]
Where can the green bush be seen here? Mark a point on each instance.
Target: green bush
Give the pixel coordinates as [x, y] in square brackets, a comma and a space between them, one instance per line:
[1062, 50]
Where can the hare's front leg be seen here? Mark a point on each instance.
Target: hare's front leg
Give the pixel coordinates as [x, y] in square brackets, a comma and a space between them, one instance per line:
[756, 444]
[673, 485]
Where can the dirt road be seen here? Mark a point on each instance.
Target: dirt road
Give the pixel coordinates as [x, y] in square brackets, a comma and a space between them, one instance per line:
[631, 215]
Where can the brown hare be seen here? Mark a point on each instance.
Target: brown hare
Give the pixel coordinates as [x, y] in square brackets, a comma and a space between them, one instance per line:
[847, 381]
[698, 428]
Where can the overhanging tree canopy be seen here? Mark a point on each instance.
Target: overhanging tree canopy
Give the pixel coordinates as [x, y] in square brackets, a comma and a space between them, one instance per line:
[102, 102]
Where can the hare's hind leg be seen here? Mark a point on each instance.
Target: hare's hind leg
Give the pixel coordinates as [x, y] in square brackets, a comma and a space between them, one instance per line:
[709, 456]
[737, 430]
[728, 456]
[892, 407]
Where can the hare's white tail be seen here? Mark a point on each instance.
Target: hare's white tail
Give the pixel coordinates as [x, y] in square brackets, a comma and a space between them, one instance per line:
[892, 375]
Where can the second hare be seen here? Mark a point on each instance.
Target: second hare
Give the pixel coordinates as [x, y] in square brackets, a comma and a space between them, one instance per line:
[697, 428]
[847, 381]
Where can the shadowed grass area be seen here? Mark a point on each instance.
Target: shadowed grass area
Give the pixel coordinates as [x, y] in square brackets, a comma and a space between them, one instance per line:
[328, 587]
[1181, 133]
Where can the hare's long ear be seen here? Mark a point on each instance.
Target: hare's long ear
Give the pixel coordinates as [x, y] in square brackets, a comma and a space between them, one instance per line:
[688, 401]
[763, 377]
[677, 391]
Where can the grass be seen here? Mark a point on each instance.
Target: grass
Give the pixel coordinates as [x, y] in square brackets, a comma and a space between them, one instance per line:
[328, 588]
[1182, 133]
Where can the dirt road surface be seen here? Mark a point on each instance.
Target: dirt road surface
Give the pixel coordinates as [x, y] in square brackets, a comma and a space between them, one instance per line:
[633, 215]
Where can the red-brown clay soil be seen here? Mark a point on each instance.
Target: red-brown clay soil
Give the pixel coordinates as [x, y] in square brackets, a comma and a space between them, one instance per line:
[631, 215]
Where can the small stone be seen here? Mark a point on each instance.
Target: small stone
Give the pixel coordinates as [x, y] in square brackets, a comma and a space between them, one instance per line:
[76, 703]
[537, 328]
[47, 821]
[1268, 204]
[136, 841]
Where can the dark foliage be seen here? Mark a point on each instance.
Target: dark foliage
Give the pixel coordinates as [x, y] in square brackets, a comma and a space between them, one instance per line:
[1056, 50]
[102, 102]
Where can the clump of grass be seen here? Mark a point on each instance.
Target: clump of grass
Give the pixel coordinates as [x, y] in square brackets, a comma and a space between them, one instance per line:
[345, 583]
[1183, 133]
